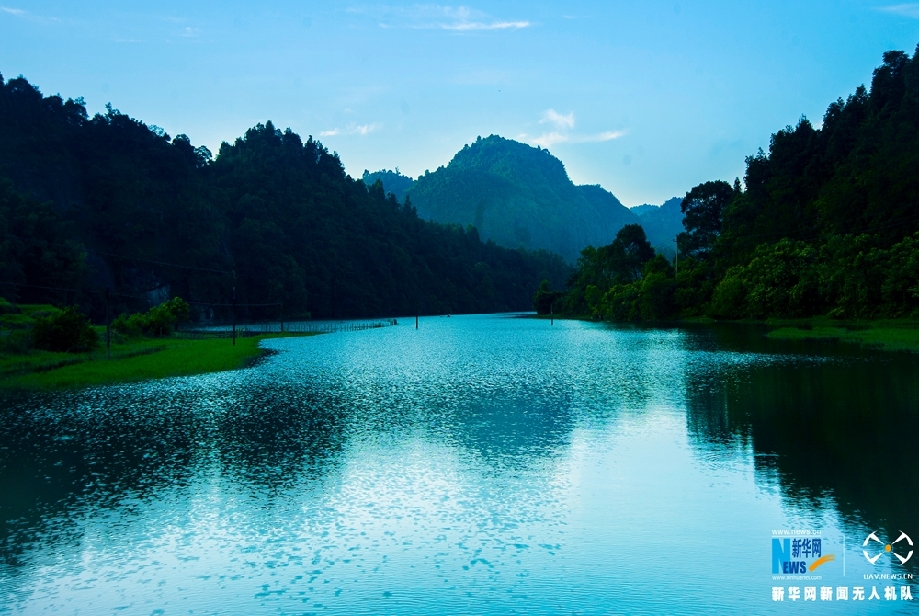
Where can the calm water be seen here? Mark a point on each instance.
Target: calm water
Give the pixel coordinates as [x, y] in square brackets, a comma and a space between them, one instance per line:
[481, 464]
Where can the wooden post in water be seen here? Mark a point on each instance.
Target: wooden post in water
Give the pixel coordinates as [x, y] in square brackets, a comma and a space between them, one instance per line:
[108, 330]
[234, 307]
[282, 317]
[552, 313]
[416, 321]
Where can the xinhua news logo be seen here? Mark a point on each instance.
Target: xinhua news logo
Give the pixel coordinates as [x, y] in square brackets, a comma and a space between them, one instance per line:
[798, 555]
[873, 548]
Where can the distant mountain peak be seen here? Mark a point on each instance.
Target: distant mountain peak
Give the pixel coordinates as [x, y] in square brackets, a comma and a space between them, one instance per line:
[519, 196]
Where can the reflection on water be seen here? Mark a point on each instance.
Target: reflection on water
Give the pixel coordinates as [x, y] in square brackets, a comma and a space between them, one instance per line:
[479, 464]
[839, 429]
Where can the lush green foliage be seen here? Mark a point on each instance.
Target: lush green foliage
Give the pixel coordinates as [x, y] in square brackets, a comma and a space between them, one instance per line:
[159, 321]
[518, 195]
[134, 210]
[826, 223]
[600, 270]
[849, 276]
[36, 244]
[69, 331]
[545, 298]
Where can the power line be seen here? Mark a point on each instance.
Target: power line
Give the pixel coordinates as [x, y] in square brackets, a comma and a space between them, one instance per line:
[138, 297]
[35, 286]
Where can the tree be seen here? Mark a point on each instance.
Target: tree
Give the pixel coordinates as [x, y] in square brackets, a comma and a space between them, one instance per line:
[702, 208]
[635, 251]
[545, 298]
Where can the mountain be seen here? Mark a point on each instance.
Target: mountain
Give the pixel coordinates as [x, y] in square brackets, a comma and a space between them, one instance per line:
[644, 208]
[661, 223]
[108, 202]
[393, 182]
[519, 196]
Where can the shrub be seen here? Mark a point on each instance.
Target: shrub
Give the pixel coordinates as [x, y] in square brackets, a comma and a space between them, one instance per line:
[157, 322]
[730, 296]
[68, 332]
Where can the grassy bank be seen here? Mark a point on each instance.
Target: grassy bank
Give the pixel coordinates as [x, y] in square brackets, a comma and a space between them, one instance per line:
[886, 335]
[135, 360]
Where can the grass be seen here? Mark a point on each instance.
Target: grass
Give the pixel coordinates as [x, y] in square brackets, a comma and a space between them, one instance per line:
[887, 335]
[884, 334]
[135, 360]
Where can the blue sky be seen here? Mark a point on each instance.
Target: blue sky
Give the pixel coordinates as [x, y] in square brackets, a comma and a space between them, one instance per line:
[645, 98]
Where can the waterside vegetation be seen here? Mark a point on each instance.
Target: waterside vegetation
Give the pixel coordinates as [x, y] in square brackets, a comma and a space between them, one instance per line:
[132, 360]
[44, 347]
[824, 226]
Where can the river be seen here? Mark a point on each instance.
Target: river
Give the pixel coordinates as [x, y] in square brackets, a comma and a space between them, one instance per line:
[479, 464]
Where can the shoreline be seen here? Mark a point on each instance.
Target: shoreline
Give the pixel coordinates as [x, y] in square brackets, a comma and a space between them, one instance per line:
[133, 361]
[883, 334]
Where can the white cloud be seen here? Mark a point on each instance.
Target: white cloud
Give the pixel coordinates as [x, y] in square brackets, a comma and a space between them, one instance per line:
[478, 25]
[437, 17]
[608, 135]
[906, 10]
[551, 138]
[551, 116]
[353, 129]
[17, 12]
[190, 32]
[364, 129]
[563, 126]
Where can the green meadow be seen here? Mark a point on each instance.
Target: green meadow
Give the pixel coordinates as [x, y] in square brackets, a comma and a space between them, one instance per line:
[888, 335]
[134, 360]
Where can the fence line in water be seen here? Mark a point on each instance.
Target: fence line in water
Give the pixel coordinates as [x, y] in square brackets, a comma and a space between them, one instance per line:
[260, 329]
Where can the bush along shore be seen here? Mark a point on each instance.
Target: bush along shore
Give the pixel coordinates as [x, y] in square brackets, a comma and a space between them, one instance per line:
[44, 347]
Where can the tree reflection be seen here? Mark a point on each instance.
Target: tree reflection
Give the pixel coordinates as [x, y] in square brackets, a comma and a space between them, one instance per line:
[834, 426]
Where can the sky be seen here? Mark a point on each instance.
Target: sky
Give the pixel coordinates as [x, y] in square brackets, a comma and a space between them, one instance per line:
[647, 99]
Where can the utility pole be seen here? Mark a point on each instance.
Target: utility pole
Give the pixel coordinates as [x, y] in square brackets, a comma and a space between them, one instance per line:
[108, 328]
[234, 307]
[676, 258]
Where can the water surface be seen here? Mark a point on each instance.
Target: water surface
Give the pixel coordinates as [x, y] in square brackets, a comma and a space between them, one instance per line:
[480, 464]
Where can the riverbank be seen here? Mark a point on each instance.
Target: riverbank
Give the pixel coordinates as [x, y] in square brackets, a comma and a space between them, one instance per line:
[135, 360]
[888, 335]
[884, 334]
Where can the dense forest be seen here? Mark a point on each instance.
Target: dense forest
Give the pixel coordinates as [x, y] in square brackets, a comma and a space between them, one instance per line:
[825, 223]
[89, 203]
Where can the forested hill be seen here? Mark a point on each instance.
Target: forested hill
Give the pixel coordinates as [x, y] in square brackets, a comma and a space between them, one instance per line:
[518, 195]
[662, 223]
[825, 223]
[107, 201]
[393, 182]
